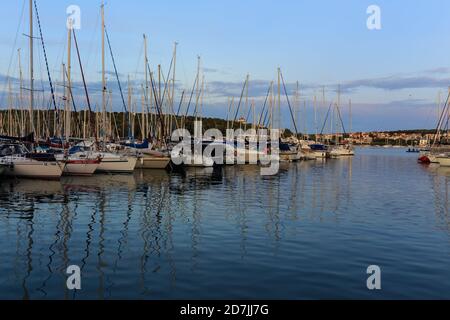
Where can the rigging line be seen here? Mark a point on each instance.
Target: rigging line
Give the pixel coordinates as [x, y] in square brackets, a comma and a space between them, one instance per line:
[192, 94]
[84, 84]
[181, 102]
[326, 118]
[13, 50]
[166, 82]
[119, 84]
[340, 118]
[267, 117]
[92, 42]
[248, 114]
[240, 100]
[139, 60]
[289, 104]
[439, 124]
[264, 106]
[46, 64]
[77, 120]
[160, 116]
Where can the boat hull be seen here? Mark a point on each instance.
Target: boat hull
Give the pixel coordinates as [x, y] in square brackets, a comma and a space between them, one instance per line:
[444, 161]
[117, 165]
[433, 158]
[342, 152]
[152, 163]
[33, 169]
[81, 167]
[290, 156]
[319, 154]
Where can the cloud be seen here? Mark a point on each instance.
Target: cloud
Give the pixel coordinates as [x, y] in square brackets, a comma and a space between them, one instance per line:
[111, 73]
[397, 83]
[439, 70]
[257, 88]
[210, 70]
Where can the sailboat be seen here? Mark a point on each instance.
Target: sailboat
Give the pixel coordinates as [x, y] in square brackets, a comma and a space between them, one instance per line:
[288, 152]
[438, 150]
[110, 162]
[342, 150]
[339, 150]
[15, 158]
[18, 162]
[147, 158]
[79, 163]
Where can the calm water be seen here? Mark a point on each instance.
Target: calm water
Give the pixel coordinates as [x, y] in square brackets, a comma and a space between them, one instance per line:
[309, 232]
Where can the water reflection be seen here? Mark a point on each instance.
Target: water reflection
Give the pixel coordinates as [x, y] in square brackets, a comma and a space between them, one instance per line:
[159, 235]
[440, 177]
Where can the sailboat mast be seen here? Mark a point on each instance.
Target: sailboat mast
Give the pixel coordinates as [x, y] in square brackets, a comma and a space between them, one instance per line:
[64, 94]
[103, 66]
[198, 88]
[254, 115]
[350, 116]
[315, 117]
[279, 100]
[144, 121]
[31, 68]
[69, 84]
[337, 113]
[297, 105]
[130, 106]
[271, 107]
[173, 85]
[22, 115]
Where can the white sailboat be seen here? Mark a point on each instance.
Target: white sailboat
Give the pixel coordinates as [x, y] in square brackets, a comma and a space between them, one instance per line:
[110, 162]
[21, 167]
[115, 163]
[79, 164]
[342, 150]
[18, 162]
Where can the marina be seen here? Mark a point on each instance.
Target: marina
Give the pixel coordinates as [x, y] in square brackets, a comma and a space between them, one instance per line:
[158, 172]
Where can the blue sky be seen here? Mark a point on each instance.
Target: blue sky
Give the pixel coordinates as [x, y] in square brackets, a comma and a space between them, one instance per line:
[392, 75]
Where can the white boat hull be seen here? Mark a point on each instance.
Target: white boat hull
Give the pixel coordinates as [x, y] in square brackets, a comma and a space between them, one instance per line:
[444, 161]
[27, 168]
[342, 152]
[79, 164]
[433, 158]
[318, 154]
[80, 169]
[117, 165]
